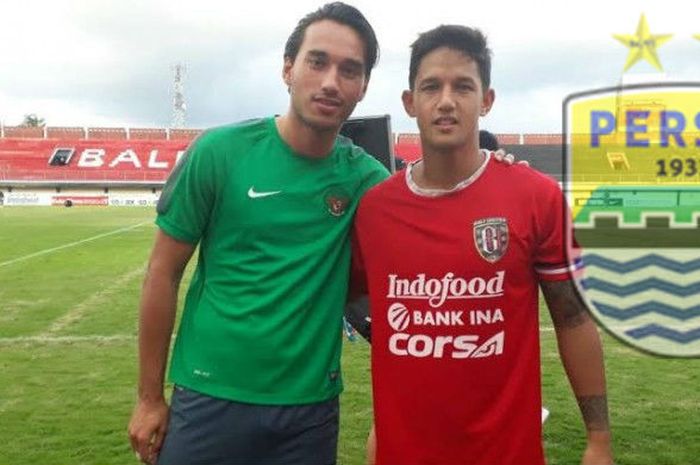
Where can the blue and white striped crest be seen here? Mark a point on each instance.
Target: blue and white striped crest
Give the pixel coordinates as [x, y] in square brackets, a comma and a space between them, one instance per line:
[632, 158]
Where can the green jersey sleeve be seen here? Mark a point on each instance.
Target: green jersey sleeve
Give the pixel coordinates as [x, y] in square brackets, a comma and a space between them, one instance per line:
[189, 196]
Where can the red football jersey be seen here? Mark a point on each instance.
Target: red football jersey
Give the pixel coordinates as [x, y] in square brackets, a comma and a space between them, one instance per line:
[453, 284]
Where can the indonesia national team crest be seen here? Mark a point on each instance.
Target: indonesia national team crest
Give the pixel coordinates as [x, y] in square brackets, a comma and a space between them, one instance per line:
[633, 183]
[336, 201]
[491, 238]
[337, 205]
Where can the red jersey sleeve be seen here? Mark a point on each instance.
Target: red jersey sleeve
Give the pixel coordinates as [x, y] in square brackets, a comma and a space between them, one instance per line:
[555, 259]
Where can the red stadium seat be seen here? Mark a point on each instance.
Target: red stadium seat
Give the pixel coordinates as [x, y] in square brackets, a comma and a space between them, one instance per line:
[542, 139]
[408, 147]
[184, 134]
[148, 134]
[106, 133]
[23, 132]
[65, 133]
[508, 139]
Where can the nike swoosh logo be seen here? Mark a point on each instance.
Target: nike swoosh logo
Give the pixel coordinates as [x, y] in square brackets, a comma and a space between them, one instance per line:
[256, 195]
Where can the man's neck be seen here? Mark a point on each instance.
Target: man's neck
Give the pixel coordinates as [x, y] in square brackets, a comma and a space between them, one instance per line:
[304, 139]
[444, 170]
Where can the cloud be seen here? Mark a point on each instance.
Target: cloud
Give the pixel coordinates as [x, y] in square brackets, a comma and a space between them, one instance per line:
[98, 62]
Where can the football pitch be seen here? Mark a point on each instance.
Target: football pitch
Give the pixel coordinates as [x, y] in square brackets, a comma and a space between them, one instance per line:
[69, 288]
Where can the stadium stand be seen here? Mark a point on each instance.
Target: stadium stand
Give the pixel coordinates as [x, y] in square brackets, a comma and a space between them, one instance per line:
[542, 151]
[102, 157]
[543, 157]
[65, 133]
[407, 147]
[106, 133]
[147, 134]
[184, 134]
[23, 133]
[67, 159]
[542, 139]
[509, 139]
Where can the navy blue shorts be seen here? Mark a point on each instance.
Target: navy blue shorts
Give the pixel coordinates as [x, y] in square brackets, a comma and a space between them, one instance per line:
[206, 430]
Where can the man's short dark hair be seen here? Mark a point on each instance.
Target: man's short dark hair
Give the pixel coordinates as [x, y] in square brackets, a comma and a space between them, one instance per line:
[340, 13]
[488, 140]
[471, 42]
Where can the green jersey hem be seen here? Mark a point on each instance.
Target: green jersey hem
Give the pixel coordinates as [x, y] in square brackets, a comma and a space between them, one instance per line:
[236, 395]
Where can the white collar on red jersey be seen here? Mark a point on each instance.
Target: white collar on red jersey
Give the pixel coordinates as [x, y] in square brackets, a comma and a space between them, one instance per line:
[440, 192]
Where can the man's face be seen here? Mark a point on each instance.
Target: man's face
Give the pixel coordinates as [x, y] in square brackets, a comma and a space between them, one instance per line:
[447, 99]
[327, 78]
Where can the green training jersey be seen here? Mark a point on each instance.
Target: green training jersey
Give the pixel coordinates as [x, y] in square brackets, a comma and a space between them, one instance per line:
[262, 316]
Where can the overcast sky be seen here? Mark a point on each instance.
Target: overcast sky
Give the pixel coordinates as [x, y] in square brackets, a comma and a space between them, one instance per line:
[92, 63]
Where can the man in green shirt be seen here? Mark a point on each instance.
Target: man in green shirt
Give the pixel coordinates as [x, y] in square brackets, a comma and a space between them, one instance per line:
[270, 202]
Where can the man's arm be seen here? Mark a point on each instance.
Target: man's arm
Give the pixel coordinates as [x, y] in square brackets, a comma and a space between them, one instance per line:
[371, 457]
[149, 420]
[357, 305]
[582, 356]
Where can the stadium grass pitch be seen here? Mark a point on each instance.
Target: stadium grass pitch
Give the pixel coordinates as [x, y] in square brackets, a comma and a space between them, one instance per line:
[70, 283]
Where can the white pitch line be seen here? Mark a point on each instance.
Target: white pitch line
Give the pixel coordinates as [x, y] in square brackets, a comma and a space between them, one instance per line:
[76, 313]
[65, 339]
[72, 244]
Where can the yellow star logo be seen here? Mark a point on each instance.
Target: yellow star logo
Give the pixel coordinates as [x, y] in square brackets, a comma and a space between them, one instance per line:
[643, 45]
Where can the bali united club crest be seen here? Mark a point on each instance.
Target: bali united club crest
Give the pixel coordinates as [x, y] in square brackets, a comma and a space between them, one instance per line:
[491, 238]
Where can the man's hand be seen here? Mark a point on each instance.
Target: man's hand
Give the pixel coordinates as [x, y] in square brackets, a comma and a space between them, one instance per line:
[357, 315]
[507, 158]
[147, 428]
[598, 450]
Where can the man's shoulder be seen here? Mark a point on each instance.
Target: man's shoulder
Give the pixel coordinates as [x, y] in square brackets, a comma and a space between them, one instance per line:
[380, 199]
[390, 186]
[360, 162]
[215, 145]
[242, 127]
[523, 177]
[355, 153]
[245, 131]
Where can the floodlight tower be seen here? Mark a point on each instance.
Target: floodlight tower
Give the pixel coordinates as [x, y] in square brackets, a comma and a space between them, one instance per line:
[179, 107]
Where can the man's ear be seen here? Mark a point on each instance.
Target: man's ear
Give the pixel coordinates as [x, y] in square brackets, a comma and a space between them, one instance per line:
[487, 101]
[364, 90]
[407, 99]
[287, 71]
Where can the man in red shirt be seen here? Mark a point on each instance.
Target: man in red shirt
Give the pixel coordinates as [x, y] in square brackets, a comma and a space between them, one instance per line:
[452, 251]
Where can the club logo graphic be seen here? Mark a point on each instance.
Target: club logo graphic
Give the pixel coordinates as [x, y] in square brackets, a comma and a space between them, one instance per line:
[398, 317]
[632, 158]
[491, 238]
